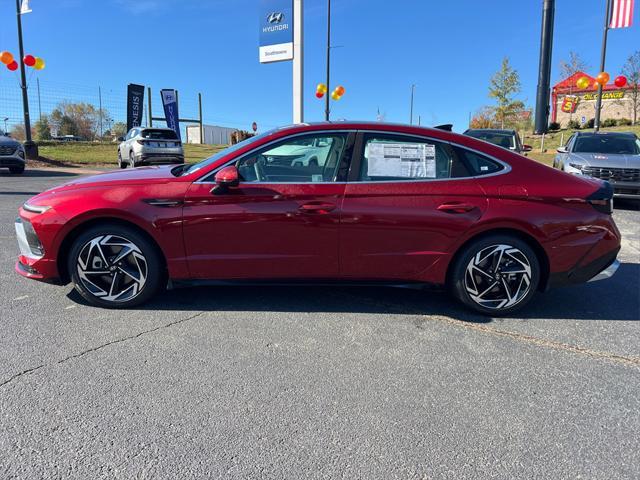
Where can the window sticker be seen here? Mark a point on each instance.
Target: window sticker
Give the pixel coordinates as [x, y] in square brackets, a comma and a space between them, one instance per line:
[405, 160]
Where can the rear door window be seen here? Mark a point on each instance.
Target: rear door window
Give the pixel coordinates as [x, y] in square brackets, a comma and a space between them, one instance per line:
[478, 164]
[396, 158]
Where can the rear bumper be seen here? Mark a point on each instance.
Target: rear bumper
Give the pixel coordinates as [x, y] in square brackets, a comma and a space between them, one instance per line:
[599, 269]
[159, 158]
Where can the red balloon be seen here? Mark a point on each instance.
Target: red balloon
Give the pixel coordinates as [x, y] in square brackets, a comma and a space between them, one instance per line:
[319, 94]
[29, 60]
[620, 81]
[13, 66]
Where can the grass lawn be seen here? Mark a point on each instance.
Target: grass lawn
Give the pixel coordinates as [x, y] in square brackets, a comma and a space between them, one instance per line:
[105, 154]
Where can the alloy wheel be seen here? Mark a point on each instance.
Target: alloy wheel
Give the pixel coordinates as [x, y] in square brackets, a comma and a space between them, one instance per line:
[112, 268]
[498, 277]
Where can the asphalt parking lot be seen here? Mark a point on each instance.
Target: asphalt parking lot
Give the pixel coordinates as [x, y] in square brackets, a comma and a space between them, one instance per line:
[316, 382]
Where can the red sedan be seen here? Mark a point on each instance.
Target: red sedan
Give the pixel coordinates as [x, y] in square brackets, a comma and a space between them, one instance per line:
[364, 203]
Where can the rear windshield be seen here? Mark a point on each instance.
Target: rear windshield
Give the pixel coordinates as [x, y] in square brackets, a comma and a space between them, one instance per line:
[159, 134]
[506, 140]
[625, 145]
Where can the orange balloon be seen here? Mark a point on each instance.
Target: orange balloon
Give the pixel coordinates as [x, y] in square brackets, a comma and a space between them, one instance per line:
[603, 78]
[340, 90]
[6, 58]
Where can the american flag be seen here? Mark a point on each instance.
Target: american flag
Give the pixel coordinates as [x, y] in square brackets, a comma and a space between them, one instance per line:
[621, 14]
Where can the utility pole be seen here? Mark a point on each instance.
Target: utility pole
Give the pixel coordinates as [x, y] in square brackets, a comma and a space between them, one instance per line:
[411, 109]
[101, 114]
[603, 54]
[326, 104]
[544, 68]
[30, 148]
[298, 61]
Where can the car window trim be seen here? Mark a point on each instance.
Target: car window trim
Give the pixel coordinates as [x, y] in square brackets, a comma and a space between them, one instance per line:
[347, 156]
[356, 160]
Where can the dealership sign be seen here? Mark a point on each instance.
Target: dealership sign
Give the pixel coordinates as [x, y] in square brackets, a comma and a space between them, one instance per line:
[569, 104]
[276, 30]
[170, 104]
[615, 95]
[135, 99]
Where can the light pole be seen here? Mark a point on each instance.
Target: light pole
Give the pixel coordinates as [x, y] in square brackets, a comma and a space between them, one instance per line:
[411, 109]
[326, 104]
[544, 67]
[30, 148]
[603, 54]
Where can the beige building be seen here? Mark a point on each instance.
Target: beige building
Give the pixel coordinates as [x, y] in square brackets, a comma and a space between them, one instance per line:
[568, 102]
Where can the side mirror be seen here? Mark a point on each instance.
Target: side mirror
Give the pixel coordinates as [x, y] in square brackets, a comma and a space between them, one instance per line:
[225, 179]
[562, 150]
[121, 139]
[527, 148]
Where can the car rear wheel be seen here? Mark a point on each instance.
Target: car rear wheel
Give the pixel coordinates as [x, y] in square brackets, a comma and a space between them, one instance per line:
[132, 159]
[114, 266]
[495, 275]
[121, 164]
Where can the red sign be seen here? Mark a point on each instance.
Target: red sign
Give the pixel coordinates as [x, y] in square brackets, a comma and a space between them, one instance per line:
[569, 104]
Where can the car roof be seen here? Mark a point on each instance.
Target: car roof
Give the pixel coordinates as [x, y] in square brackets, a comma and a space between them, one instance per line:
[610, 134]
[491, 130]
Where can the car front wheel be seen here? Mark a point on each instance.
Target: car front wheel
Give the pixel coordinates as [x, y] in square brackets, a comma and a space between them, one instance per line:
[114, 266]
[495, 275]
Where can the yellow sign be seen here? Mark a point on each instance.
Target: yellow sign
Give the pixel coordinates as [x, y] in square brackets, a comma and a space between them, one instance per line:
[615, 95]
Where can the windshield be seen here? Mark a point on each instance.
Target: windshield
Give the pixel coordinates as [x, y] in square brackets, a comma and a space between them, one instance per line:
[233, 148]
[612, 144]
[505, 140]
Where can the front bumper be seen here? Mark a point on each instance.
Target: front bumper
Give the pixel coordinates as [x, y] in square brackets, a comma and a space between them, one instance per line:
[32, 262]
[625, 190]
[12, 161]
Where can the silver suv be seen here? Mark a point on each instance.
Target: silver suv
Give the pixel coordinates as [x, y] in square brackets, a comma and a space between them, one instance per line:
[11, 154]
[150, 146]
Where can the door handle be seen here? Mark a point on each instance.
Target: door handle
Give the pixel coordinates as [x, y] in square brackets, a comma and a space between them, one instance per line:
[317, 207]
[456, 207]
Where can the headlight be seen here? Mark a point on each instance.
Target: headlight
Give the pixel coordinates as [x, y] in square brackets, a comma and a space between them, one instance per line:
[573, 168]
[35, 208]
[21, 152]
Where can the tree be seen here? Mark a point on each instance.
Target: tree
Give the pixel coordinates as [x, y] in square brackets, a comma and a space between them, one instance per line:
[43, 131]
[504, 84]
[119, 129]
[631, 70]
[80, 119]
[483, 118]
[572, 65]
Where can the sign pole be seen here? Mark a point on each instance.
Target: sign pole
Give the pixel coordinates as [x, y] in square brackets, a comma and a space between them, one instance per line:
[603, 54]
[544, 67]
[326, 104]
[298, 62]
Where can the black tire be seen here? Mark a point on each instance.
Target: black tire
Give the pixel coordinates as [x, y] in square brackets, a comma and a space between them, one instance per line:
[121, 164]
[512, 291]
[16, 170]
[110, 238]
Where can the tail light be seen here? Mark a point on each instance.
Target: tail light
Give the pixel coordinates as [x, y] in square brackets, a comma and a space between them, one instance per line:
[602, 199]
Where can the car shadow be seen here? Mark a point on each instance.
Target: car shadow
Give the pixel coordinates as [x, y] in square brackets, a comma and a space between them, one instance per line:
[592, 301]
[38, 173]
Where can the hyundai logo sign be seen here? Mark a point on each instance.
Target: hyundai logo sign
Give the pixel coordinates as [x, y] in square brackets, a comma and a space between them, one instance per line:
[275, 17]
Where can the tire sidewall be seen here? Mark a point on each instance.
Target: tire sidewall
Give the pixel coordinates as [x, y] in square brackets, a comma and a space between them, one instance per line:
[456, 279]
[155, 271]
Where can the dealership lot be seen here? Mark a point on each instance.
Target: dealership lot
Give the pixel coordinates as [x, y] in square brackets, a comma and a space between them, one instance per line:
[316, 382]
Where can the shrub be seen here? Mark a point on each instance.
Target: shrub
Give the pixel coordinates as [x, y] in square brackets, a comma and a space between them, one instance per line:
[590, 123]
[554, 126]
[623, 122]
[609, 122]
[573, 125]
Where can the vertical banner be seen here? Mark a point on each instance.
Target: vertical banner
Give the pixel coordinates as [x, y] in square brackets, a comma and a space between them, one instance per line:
[276, 30]
[170, 104]
[135, 99]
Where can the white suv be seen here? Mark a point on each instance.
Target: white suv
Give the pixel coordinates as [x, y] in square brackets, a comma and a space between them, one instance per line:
[150, 146]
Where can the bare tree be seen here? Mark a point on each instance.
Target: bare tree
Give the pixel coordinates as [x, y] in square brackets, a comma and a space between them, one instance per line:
[631, 70]
[572, 65]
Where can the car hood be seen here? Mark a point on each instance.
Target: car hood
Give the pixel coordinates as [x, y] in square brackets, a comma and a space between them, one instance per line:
[141, 175]
[606, 160]
[9, 142]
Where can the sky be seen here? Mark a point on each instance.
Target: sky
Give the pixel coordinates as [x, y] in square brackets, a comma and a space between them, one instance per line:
[449, 50]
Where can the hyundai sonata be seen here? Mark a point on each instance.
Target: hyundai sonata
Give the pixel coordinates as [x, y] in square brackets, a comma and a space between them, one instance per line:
[386, 204]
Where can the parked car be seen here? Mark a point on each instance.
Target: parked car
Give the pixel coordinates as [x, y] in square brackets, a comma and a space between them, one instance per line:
[611, 156]
[150, 146]
[12, 155]
[508, 139]
[392, 204]
[304, 152]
